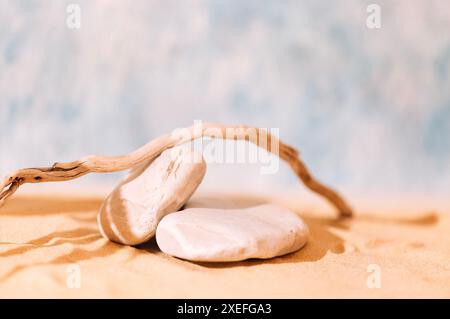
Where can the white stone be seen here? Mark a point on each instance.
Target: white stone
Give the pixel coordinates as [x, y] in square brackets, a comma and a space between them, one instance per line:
[132, 211]
[218, 235]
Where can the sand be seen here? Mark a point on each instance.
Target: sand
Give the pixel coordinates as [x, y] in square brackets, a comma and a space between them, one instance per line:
[50, 247]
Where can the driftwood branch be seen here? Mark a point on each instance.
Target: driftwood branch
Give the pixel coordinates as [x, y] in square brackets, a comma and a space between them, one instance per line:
[147, 153]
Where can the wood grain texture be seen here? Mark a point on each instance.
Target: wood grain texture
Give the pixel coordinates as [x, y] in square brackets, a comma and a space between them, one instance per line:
[101, 164]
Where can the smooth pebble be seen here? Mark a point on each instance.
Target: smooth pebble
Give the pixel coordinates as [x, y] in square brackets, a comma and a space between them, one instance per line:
[131, 213]
[221, 235]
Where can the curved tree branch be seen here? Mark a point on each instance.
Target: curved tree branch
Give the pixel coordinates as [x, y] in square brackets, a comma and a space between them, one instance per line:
[101, 164]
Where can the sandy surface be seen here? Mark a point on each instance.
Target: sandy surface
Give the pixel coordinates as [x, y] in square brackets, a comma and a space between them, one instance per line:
[49, 240]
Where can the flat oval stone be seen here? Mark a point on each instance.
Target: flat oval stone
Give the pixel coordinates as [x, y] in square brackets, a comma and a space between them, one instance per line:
[132, 211]
[218, 235]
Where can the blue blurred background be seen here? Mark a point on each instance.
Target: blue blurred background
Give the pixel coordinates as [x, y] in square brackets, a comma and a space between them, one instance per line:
[368, 108]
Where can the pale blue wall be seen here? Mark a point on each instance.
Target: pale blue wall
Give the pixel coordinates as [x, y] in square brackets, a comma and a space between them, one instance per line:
[370, 109]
